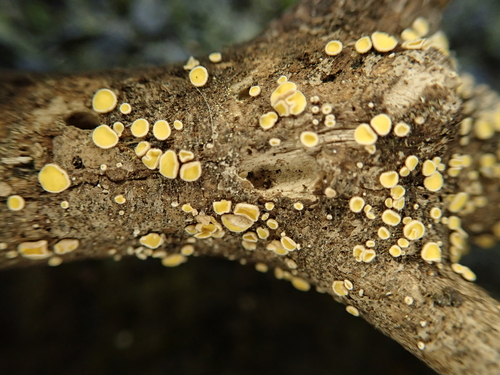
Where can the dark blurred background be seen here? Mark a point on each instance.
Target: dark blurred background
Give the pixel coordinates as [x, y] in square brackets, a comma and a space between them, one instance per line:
[208, 316]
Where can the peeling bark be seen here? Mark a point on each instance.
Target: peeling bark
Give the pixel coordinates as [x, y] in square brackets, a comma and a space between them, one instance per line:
[449, 323]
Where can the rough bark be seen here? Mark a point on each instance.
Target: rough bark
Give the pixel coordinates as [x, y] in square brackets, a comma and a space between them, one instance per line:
[48, 119]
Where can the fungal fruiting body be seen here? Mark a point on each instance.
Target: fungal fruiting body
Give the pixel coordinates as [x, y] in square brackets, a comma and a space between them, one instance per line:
[34, 250]
[125, 108]
[236, 223]
[287, 100]
[152, 158]
[141, 148]
[151, 240]
[381, 124]
[309, 139]
[169, 164]
[254, 91]
[104, 137]
[431, 252]
[66, 246]
[198, 76]
[364, 135]
[161, 130]
[215, 57]
[104, 101]
[53, 178]
[247, 210]
[140, 128]
[190, 171]
[267, 120]
[333, 48]
[363, 45]
[383, 42]
[173, 260]
[222, 207]
[15, 203]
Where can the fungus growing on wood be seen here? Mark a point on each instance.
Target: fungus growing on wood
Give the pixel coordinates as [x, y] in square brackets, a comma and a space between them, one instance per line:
[190, 171]
[431, 252]
[152, 158]
[330, 121]
[173, 260]
[198, 76]
[64, 204]
[191, 63]
[288, 244]
[185, 156]
[421, 26]
[409, 35]
[15, 203]
[267, 120]
[414, 230]
[282, 79]
[263, 233]
[356, 204]
[411, 162]
[339, 288]
[391, 217]
[383, 42]
[300, 284]
[395, 251]
[54, 261]
[428, 168]
[389, 179]
[161, 130]
[151, 240]
[274, 142]
[269, 206]
[53, 178]
[299, 206]
[118, 128]
[247, 210]
[464, 271]
[104, 101]
[401, 129]
[309, 139]
[34, 250]
[363, 45]
[120, 199]
[403, 243]
[434, 182]
[333, 47]
[254, 91]
[125, 108]
[141, 148]
[287, 100]
[215, 57]
[458, 202]
[236, 223]
[169, 165]
[178, 125]
[250, 237]
[140, 128]
[104, 137]
[381, 124]
[414, 44]
[364, 135]
[352, 310]
[66, 245]
[222, 207]
[271, 223]
[187, 250]
[383, 233]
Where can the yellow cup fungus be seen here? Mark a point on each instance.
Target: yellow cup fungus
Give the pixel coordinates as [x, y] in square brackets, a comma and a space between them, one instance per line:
[151, 240]
[125, 108]
[391, 217]
[352, 310]
[191, 63]
[152, 158]
[434, 182]
[383, 42]
[141, 148]
[140, 128]
[169, 165]
[104, 137]
[198, 76]
[363, 45]
[330, 121]
[411, 162]
[288, 244]
[118, 128]
[250, 211]
[356, 204]
[333, 47]
[173, 260]
[458, 202]
[401, 129]
[421, 26]
[272, 224]
[364, 135]
[287, 100]
[120, 199]
[66, 245]
[383, 233]
[409, 35]
[250, 237]
[300, 284]
[398, 191]
[53, 178]
[414, 44]
[267, 120]
[414, 230]
[185, 156]
[273, 142]
[187, 250]
[178, 125]
[309, 139]
[64, 204]
[381, 124]
[395, 251]
[104, 101]
[339, 288]
[428, 168]
[263, 233]
[389, 179]
[222, 207]
[161, 130]
[34, 250]
[431, 252]
[190, 171]
[236, 223]
[464, 271]
[15, 203]
[254, 91]
[215, 57]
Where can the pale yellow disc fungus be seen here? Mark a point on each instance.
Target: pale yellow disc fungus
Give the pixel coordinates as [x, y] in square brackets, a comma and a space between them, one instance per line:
[339, 288]
[254, 91]
[288, 244]
[330, 121]
[287, 100]
[434, 182]
[409, 34]
[438, 41]
[370, 243]
[309, 139]
[247, 245]
[55, 261]
[383, 233]
[368, 255]
[120, 199]
[458, 202]
[364, 135]
[348, 284]
[261, 267]
[125, 108]
[300, 284]
[250, 211]
[268, 120]
[282, 79]
[169, 165]
[151, 240]
[408, 300]
[173, 260]
[483, 129]
[431, 252]
[215, 57]
[455, 223]
[15, 203]
[421, 26]
[53, 178]
[269, 206]
[383, 42]
[388, 202]
[381, 124]
[34, 250]
[274, 142]
[236, 223]
[141, 148]
[118, 128]
[363, 45]
[152, 158]
[428, 168]
[222, 207]
[104, 101]
[333, 47]
[187, 208]
[191, 229]
[64, 204]
[395, 251]
[398, 191]
[66, 245]
[140, 128]
[398, 204]
[352, 310]
[265, 216]
[330, 193]
[198, 76]
[404, 171]
[178, 125]
[391, 217]
[191, 63]
[389, 179]
[358, 252]
[185, 156]
[406, 220]
[464, 271]
[414, 44]
[411, 162]
[250, 237]
[414, 230]
[190, 171]
[263, 233]
[271, 223]
[356, 204]
[104, 137]
[402, 129]
[187, 250]
[161, 130]
[299, 206]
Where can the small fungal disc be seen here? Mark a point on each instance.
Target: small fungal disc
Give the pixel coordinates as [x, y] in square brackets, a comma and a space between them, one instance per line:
[178, 125]
[190, 171]
[250, 237]
[389, 179]
[421, 26]
[198, 76]
[215, 57]
[140, 128]
[151, 240]
[141, 148]
[411, 162]
[282, 79]
[368, 255]
[339, 288]
[222, 207]
[352, 310]
[271, 223]
[161, 130]
[263, 233]
[288, 244]
[409, 35]
[356, 204]
[34, 250]
[169, 165]
[236, 223]
[104, 101]
[383, 42]
[187, 250]
[53, 178]
[414, 230]
[125, 108]
[185, 156]
[414, 44]
[381, 124]
[309, 139]
[383, 233]
[15, 203]
[363, 45]
[364, 135]
[104, 137]
[391, 217]
[191, 63]
[267, 120]
[428, 168]
[458, 202]
[333, 48]
[254, 91]
[173, 260]
[66, 246]
[297, 103]
[434, 182]
[395, 251]
[282, 91]
[431, 252]
[300, 284]
[152, 158]
[402, 129]
[250, 211]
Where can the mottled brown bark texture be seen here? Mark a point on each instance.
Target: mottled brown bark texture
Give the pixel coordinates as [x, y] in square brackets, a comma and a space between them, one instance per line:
[446, 321]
